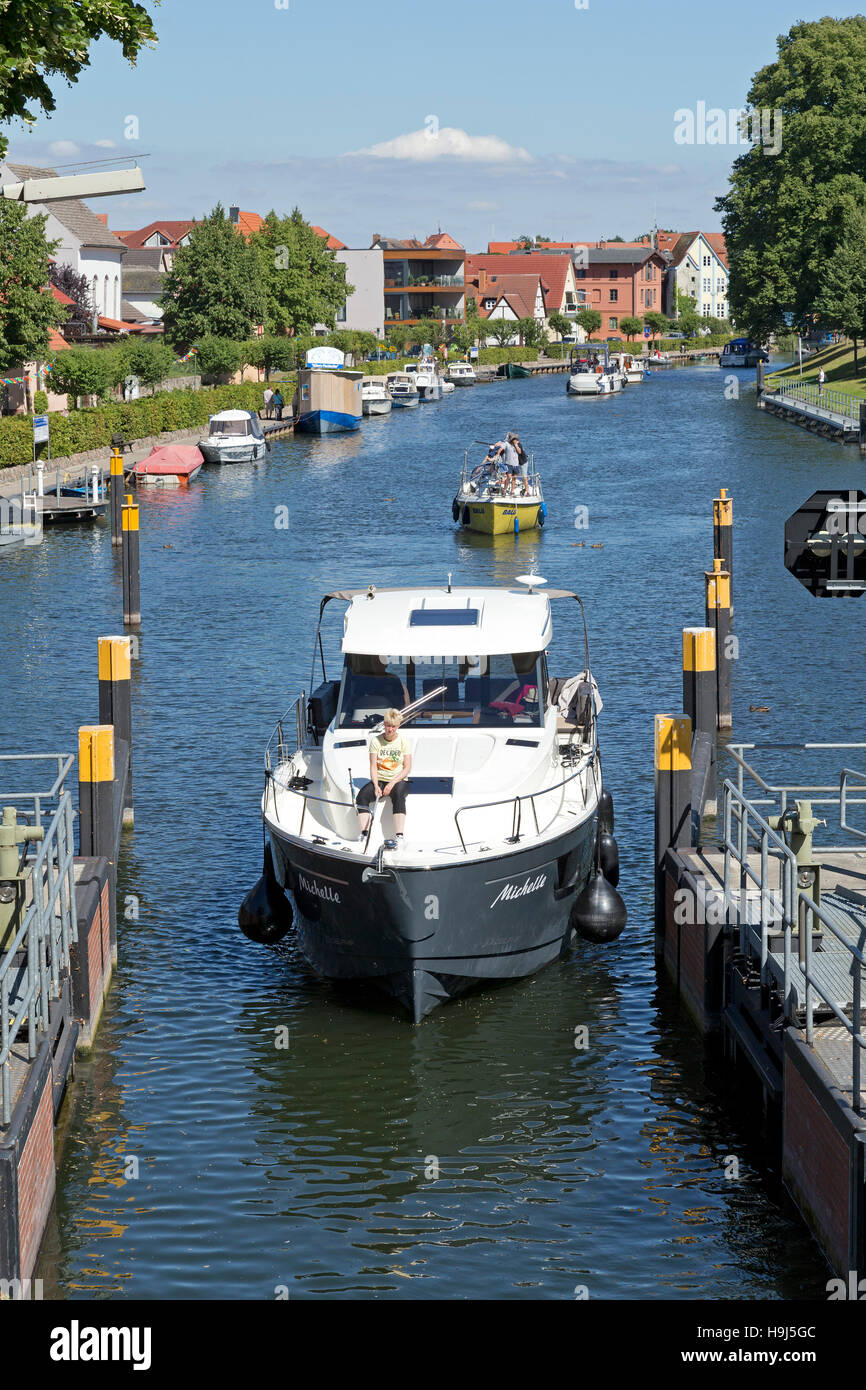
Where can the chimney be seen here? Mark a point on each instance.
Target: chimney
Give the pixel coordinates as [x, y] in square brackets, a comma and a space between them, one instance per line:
[103, 217]
[235, 215]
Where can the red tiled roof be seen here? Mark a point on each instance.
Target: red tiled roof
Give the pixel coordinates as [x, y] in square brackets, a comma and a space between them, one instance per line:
[56, 341]
[552, 270]
[173, 230]
[519, 290]
[248, 222]
[114, 325]
[717, 241]
[503, 248]
[441, 241]
[332, 242]
[60, 296]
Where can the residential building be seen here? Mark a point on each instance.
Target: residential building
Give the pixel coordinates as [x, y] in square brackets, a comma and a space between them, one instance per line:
[620, 281]
[512, 297]
[699, 268]
[364, 310]
[422, 279]
[142, 284]
[167, 235]
[85, 243]
[554, 269]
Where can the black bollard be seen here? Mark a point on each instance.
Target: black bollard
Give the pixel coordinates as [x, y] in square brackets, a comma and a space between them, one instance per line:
[115, 702]
[131, 578]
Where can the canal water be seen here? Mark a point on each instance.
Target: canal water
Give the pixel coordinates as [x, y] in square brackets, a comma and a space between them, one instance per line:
[481, 1154]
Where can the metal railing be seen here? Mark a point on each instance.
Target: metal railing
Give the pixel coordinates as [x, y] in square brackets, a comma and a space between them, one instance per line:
[36, 955]
[809, 393]
[517, 801]
[785, 905]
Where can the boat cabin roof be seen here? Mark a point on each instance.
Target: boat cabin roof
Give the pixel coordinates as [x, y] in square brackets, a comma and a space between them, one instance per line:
[415, 622]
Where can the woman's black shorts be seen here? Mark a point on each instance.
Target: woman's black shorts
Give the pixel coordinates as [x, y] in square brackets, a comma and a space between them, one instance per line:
[367, 795]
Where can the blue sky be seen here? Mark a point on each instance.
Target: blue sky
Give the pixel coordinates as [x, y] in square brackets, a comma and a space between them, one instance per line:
[373, 118]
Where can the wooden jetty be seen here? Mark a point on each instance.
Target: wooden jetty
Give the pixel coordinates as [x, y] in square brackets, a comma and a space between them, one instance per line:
[825, 411]
[762, 931]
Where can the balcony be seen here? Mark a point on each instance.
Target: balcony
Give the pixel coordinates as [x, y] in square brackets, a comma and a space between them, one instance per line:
[420, 282]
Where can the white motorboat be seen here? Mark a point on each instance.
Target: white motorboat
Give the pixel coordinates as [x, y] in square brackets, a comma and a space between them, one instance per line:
[629, 366]
[426, 379]
[742, 352]
[586, 380]
[402, 388]
[462, 374]
[447, 386]
[234, 436]
[375, 398]
[508, 848]
[484, 501]
[20, 520]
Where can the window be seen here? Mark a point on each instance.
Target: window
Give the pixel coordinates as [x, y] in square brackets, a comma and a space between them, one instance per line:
[117, 297]
[641, 296]
[614, 296]
[706, 260]
[648, 272]
[706, 311]
[581, 275]
[489, 303]
[613, 323]
[340, 316]
[486, 691]
[611, 274]
[707, 284]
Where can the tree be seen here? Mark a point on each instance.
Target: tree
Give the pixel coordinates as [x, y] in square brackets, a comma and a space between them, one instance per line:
[528, 332]
[68, 280]
[841, 300]
[462, 337]
[589, 320]
[657, 322]
[428, 331]
[39, 41]
[212, 289]
[397, 338]
[525, 243]
[27, 309]
[277, 353]
[84, 371]
[302, 282]
[149, 360]
[502, 330]
[792, 194]
[630, 326]
[219, 356]
[559, 323]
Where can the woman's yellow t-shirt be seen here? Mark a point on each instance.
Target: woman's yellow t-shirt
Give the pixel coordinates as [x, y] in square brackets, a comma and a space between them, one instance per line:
[390, 757]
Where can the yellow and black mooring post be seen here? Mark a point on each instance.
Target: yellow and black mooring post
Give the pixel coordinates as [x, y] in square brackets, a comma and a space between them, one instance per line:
[115, 702]
[96, 798]
[131, 580]
[699, 678]
[718, 606]
[673, 790]
[116, 496]
[723, 535]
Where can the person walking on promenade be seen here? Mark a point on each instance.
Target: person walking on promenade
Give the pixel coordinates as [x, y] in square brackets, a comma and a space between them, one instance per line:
[277, 403]
[821, 379]
[268, 393]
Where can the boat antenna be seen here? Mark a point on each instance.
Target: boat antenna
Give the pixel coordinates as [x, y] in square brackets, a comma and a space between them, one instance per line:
[530, 580]
[449, 581]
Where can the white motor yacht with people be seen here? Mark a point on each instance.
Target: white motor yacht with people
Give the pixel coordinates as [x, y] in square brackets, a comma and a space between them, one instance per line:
[630, 367]
[462, 374]
[591, 376]
[402, 389]
[501, 848]
[375, 397]
[234, 436]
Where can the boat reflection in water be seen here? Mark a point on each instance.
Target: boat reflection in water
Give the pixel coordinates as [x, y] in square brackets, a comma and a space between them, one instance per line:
[503, 796]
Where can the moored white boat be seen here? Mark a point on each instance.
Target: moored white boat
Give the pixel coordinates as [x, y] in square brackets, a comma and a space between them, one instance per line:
[462, 374]
[234, 436]
[375, 399]
[742, 352]
[586, 380]
[402, 389]
[427, 380]
[505, 814]
[629, 366]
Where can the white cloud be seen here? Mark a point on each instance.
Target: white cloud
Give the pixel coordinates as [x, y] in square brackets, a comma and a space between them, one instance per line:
[447, 142]
[61, 147]
[105, 144]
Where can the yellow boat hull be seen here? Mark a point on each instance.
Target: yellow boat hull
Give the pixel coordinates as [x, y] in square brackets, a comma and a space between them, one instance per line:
[498, 518]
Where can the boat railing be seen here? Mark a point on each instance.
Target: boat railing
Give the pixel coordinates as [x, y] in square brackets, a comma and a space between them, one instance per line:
[516, 802]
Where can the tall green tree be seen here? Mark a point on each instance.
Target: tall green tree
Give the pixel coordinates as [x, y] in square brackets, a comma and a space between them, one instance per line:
[302, 281]
[149, 360]
[213, 287]
[630, 326]
[85, 371]
[502, 330]
[27, 308]
[559, 323]
[39, 42]
[793, 192]
[657, 322]
[589, 320]
[841, 300]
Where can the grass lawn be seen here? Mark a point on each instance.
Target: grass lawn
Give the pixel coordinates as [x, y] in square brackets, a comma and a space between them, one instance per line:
[838, 362]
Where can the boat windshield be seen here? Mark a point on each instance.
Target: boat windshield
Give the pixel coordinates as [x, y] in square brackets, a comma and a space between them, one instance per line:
[480, 691]
[240, 427]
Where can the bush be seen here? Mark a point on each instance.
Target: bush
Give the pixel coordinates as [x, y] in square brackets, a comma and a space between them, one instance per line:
[150, 415]
[219, 357]
[40, 402]
[508, 354]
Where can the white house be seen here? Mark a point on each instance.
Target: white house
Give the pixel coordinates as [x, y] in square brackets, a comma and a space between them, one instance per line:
[86, 244]
[700, 269]
[364, 309]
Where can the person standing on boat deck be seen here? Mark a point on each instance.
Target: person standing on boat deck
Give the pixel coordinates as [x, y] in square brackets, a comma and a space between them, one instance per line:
[277, 403]
[390, 765]
[510, 463]
[521, 462]
[268, 393]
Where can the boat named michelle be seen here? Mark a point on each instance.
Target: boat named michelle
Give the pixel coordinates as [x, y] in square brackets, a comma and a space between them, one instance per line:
[508, 847]
[482, 504]
[328, 398]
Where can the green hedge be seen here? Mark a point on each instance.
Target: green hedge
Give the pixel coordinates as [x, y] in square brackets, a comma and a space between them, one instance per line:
[508, 354]
[92, 429]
